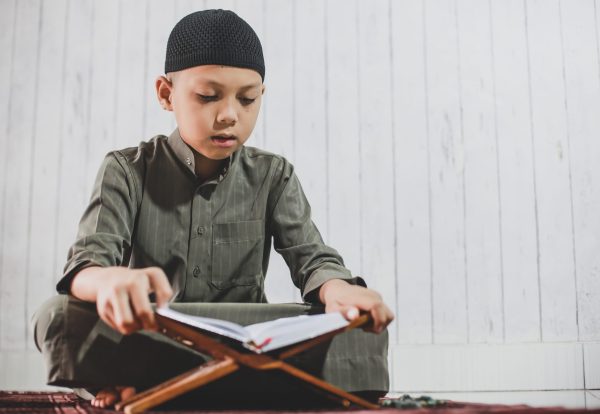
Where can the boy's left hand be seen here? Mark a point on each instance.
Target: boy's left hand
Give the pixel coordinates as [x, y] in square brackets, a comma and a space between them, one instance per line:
[338, 295]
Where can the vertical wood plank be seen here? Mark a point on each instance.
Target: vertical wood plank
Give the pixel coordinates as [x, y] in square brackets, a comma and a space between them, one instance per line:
[310, 132]
[7, 33]
[18, 166]
[591, 359]
[219, 4]
[132, 69]
[278, 101]
[489, 367]
[104, 90]
[45, 153]
[515, 164]
[72, 188]
[342, 130]
[413, 308]
[482, 209]
[23, 370]
[447, 174]
[592, 399]
[185, 7]
[252, 12]
[552, 172]
[376, 150]
[161, 20]
[278, 112]
[597, 30]
[582, 86]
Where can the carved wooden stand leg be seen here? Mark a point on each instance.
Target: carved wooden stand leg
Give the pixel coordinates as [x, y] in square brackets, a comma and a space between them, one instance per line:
[181, 384]
[345, 398]
[227, 360]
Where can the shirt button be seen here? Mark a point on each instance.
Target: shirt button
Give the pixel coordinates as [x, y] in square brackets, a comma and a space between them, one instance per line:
[188, 161]
[196, 271]
[200, 230]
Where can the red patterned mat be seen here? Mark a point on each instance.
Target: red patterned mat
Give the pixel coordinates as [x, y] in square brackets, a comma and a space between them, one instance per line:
[68, 403]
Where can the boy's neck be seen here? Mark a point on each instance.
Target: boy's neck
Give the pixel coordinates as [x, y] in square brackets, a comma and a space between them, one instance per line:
[206, 168]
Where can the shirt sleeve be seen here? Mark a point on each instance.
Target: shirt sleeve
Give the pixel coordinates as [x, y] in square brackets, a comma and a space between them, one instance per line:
[298, 240]
[105, 230]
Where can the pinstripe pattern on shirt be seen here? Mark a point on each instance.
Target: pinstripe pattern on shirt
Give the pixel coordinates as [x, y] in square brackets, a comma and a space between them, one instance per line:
[212, 239]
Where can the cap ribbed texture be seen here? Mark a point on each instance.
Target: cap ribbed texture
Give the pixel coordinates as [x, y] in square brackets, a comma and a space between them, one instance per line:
[214, 37]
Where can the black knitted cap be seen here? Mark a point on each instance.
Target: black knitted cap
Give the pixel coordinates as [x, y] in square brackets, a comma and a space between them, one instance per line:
[214, 37]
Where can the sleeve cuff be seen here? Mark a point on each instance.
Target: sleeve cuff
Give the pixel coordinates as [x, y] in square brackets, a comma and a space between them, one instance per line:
[64, 284]
[323, 274]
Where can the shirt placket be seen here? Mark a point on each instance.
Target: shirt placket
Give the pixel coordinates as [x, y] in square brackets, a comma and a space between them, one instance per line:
[200, 252]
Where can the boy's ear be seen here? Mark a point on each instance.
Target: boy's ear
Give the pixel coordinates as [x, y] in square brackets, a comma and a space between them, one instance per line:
[164, 88]
[262, 92]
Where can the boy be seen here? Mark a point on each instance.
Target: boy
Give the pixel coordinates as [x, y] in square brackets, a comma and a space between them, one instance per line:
[193, 214]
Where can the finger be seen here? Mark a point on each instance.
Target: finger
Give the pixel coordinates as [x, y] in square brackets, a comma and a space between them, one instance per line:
[390, 315]
[379, 317]
[123, 316]
[141, 306]
[376, 315]
[110, 317]
[107, 315]
[350, 312]
[159, 284]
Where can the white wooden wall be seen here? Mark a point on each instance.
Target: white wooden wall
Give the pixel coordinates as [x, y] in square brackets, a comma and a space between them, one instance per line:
[450, 150]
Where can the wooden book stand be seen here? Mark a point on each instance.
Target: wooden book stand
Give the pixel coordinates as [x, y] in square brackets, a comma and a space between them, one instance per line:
[227, 360]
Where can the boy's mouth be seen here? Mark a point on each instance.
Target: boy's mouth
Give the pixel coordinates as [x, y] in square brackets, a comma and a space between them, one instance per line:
[224, 140]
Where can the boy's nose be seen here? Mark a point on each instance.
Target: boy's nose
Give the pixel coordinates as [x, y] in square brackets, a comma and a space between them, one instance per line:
[227, 113]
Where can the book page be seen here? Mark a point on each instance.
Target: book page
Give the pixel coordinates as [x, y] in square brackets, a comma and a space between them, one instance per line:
[286, 331]
[218, 326]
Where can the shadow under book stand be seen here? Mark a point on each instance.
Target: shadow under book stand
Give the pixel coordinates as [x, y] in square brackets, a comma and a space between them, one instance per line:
[228, 360]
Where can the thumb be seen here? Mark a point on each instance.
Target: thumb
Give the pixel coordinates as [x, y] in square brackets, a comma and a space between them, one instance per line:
[160, 284]
[350, 312]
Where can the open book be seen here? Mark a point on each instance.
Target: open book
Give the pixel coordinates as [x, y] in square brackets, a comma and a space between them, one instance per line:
[264, 336]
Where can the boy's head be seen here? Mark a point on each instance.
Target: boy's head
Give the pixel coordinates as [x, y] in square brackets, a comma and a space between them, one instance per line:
[214, 81]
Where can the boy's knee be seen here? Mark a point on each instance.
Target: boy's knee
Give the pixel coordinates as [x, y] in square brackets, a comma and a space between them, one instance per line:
[51, 318]
[50, 312]
[60, 326]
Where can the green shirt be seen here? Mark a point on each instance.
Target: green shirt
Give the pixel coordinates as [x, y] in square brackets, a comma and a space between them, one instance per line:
[213, 239]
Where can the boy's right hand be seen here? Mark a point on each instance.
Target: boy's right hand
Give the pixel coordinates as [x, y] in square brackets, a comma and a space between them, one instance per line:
[121, 295]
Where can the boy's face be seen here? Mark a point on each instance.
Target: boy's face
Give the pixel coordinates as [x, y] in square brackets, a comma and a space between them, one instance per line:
[215, 106]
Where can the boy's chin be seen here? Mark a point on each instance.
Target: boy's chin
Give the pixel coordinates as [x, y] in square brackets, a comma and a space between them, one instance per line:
[220, 153]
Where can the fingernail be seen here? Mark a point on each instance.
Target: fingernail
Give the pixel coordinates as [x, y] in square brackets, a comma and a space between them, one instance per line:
[352, 313]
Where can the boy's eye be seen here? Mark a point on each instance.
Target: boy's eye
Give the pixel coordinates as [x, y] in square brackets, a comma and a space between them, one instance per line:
[246, 101]
[208, 98]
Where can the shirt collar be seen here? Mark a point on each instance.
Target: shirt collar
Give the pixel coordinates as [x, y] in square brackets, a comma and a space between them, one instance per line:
[185, 154]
